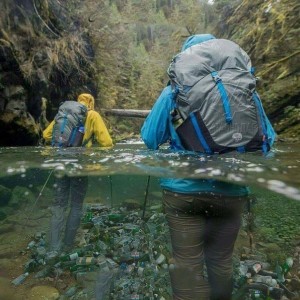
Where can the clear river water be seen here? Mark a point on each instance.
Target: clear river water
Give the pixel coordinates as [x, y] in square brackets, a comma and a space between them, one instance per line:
[125, 180]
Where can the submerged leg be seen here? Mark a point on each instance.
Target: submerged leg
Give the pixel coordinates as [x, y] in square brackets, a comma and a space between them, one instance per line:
[221, 234]
[78, 191]
[62, 186]
[187, 231]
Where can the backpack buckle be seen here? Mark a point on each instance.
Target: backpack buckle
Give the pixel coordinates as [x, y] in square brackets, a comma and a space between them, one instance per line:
[216, 77]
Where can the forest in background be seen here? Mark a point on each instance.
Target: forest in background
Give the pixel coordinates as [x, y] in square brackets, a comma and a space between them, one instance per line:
[119, 50]
[134, 42]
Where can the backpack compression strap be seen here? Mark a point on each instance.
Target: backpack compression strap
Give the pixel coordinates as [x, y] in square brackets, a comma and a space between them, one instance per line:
[200, 134]
[224, 97]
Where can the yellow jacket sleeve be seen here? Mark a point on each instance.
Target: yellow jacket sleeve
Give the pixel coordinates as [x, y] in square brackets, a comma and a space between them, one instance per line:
[47, 133]
[95, 129]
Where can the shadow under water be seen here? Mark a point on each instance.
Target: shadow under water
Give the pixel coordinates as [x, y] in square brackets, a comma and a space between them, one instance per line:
[122, 215]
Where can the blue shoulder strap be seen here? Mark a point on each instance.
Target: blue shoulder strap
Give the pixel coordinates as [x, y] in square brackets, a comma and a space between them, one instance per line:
[224, 97]
[200, 134]
[261, 116]
[262, 120]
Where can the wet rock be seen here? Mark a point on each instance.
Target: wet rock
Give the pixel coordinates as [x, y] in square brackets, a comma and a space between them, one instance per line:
[6, 291]
[295, 284]
[43, 292]
[6, 264]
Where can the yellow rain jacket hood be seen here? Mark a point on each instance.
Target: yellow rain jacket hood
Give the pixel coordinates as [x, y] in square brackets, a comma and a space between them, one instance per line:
[87, 100]
[95, 129]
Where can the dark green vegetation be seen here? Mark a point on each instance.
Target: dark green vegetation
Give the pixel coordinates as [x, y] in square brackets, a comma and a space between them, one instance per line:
[119, 51]
[276, 225]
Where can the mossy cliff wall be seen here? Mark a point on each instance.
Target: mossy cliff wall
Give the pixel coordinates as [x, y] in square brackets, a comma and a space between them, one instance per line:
[45, 58]
[269, 31]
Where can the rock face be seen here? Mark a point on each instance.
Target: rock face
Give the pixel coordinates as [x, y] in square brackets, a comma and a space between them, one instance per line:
[269, 31]
[43, 55]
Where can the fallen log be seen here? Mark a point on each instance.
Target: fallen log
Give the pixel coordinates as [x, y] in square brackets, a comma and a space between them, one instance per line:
[126, 112]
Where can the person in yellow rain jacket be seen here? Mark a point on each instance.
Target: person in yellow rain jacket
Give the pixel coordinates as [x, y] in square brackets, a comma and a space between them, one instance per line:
[95, 129]
[75, 188]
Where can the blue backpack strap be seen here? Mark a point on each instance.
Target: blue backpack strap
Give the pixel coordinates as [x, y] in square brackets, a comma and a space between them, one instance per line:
[241, 149]
[73, 134]
[62, 128]
[262, 119]
[224, 97]
[200, 134]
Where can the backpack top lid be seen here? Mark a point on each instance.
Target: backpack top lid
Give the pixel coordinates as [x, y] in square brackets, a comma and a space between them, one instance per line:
[196, 39]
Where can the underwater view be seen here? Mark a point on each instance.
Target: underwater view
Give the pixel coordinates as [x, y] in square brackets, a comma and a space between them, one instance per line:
[122, 247]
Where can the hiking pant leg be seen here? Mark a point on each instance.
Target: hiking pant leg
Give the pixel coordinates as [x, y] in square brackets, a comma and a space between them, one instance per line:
[78, 191]
[62, 189]
[187, 235]
[220, 236]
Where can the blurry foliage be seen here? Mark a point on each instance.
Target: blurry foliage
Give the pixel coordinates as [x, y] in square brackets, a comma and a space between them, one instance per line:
[134, 42]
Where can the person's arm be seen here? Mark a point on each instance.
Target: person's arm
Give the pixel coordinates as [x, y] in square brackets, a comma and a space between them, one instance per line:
[155, 130]
[95, 127]
[47, 133]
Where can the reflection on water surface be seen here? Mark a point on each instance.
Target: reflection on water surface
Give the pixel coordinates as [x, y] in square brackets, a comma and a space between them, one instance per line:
[279, 171]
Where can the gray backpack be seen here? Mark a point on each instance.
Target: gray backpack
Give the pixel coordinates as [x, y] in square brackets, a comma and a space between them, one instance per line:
[217, 108]
[68, 129]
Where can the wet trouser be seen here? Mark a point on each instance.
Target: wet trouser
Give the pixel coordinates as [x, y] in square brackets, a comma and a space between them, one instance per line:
[67, 187]
[203, 230]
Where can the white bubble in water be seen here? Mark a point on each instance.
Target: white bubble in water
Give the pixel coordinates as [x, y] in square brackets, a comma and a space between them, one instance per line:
[261, 180]
[10, 170]
[276, 183]
[216, 172]
[255, 169]
[234, 177]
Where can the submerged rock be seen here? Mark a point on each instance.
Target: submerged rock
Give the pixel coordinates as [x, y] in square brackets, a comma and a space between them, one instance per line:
[43, 292]
[6, 291]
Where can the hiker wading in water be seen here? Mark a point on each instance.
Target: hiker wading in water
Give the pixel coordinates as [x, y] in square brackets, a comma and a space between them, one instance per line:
[75, 188]
[204, 215]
